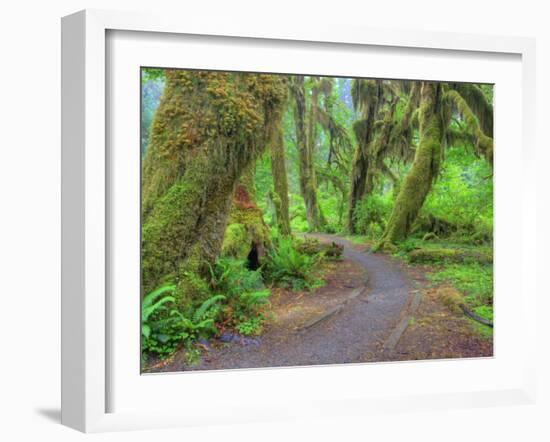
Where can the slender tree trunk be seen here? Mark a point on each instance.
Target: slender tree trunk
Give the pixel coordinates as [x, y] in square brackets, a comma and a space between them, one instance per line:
[425, 167]
[280, 183]
[209, 127]
[362, 180]
[308, 184]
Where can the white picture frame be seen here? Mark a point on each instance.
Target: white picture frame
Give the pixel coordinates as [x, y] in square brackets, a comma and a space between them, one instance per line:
[85, 209]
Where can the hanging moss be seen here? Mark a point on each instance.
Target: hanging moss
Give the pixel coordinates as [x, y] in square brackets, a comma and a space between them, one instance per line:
[305, 142]
[209, 127]
[366, 96]
[484, 143]
[372, 135]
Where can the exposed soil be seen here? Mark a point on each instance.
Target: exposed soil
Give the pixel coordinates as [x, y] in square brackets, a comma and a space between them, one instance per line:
[367, 297]
[436, 332]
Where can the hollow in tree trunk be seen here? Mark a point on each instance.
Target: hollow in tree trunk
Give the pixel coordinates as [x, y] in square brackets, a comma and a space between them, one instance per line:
[246, 236]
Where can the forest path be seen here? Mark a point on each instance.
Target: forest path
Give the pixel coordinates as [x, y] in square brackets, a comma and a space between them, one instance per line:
[345, 321]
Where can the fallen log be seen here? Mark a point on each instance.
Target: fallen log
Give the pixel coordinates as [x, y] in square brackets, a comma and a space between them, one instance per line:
[449, 255]
[313, 247]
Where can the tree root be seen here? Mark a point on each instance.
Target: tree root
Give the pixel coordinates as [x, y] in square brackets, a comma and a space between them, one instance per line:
[475, 317]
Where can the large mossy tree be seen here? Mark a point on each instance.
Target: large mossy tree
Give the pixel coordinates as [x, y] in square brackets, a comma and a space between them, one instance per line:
[447, 114]
[208, 129]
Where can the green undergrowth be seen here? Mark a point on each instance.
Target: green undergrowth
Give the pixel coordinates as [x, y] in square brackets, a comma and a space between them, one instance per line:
[360, 239]
[288, 267]
[413, 243]
[474, 281]
[481, 329]
[164, 328]
[237, 299]
[466, 267]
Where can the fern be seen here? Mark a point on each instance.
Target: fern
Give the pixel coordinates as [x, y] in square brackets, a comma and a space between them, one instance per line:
[288, 266]
[255, 299]
[149, 306]
[201, 311]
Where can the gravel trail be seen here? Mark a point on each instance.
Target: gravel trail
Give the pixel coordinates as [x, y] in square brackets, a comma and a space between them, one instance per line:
[353, 334]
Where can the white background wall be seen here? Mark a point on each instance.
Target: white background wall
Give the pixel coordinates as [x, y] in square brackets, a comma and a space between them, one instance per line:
[30, 214]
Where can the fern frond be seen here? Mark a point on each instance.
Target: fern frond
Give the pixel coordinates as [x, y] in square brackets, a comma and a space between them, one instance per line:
[201, 311]
[148, 311]
[151, 297]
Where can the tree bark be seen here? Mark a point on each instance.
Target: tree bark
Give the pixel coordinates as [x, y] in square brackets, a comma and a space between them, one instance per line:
[209, 127]
[425, 167]
[305, 145]
[362, 180]
[280, 183]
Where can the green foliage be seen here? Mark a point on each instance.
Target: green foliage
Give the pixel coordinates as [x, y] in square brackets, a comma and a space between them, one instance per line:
[461, 200]
[297, 212]
[164, 328]
[151, 303]
[299, 225]
[472, 279]
[152, 74]
[372, 213]
[248, 311]
[244, 291]
[231, 277]
[333, 207]
[409, 245]
[249, 327]
[201, 312]
[485, 311]
[251, 301]
[290, 268]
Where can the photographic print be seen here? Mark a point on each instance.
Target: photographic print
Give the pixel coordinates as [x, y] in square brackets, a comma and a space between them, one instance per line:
[299, 220]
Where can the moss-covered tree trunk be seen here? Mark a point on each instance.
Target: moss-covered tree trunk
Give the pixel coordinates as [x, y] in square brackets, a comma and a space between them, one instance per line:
[425, 167]
[246, 236]
[209, 127]
[305, 145]
[280, 183]
[362, 180]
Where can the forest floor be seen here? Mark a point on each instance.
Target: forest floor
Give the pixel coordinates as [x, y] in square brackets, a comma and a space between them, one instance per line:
[373, 307]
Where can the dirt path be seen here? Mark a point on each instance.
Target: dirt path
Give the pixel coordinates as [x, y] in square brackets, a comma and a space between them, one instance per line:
[365, 293]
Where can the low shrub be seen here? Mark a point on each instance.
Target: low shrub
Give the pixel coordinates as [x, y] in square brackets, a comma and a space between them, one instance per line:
[371, 215]
[288, 267]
